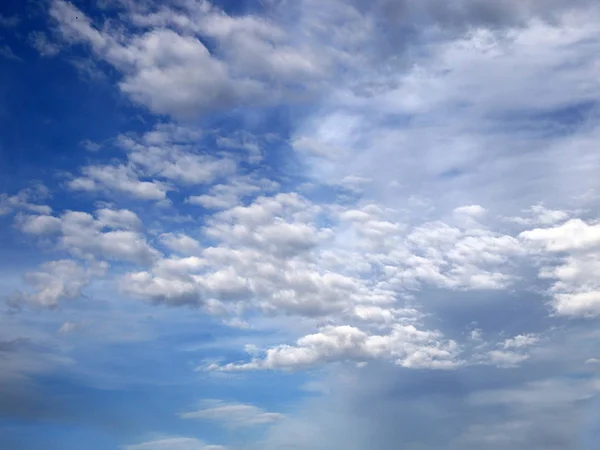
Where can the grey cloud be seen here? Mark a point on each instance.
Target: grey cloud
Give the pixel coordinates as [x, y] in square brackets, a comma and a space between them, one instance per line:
[470, 128]
[12, 345]
[547, 404]
[461, 15]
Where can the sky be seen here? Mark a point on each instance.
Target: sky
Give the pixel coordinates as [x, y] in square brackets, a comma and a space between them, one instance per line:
[301, 225]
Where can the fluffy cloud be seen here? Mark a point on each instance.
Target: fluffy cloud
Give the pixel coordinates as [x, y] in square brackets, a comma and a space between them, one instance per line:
[251, 50]
[56, 281]
[573, 250]
[224, 196]
[109, 235]
[181, 244]
[118, 178]
[161, 160]
[406, 345]
[355, 273]
[170, 153]
[22, 201]
[434, 127]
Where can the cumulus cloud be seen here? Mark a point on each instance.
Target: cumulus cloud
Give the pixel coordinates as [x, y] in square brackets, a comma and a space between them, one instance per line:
[38, 225]
[54, 282]
[469, 133]
[118, 178]
[109, 235]
[573, 252]
[171, 153]
[405, 345]
[225, 196]
[251, 50]
[166, 158]
[181, 244]
[22, 201]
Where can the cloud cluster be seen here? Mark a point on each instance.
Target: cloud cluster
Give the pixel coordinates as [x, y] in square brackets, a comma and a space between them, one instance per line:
[252, 55]
[406, 345]
[448, 161]
[109, 235]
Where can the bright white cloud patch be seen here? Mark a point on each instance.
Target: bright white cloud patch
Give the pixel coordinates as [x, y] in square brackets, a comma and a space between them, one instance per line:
[574, 249]
[406, 345]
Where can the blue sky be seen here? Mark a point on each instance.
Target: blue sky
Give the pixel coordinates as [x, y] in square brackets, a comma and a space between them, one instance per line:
[300, 225]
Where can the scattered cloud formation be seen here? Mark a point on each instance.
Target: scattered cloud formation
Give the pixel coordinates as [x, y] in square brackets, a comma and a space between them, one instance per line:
[366, 224]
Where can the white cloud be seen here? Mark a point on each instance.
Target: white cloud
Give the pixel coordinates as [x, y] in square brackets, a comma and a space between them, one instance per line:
[512, 351]
[121, 219]
[405, 345]
[158, 289]
[470, 210]
[118, 178]
[90, 145]
[434, 124]
[507, 359]
[85, 236]
[22, 201]
[171, 153]
[56, 281]
[250, 50]
[571, 252]
[163, 58]
[67, 328]
[38, 225]
[233, 414]
[504, 147]
[7, 52]
[540, 216]
[224, 196]
[166, 158]
[472, 118]
[181, 243]
[174, 443]
[521, 341]
[45, 47]
[571, 236]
